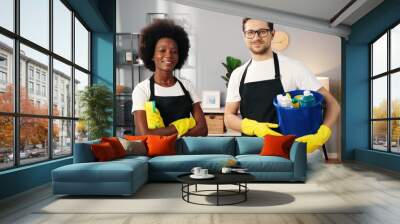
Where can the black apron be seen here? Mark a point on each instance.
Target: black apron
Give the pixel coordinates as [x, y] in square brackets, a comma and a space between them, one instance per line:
[172, 108]
[257, 97]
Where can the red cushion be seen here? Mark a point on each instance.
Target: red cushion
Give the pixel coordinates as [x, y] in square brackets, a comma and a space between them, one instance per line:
[136, 137]
[103, 151]
[277, 145]
[161, 145]
[116, 145]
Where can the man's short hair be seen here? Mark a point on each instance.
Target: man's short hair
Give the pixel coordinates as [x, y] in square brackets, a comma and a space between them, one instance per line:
[244, 21]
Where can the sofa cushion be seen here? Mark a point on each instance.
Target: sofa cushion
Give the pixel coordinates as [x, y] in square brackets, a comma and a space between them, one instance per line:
[83, 152]
[206, 145]
[249, 145]
[136, 147]
[112, 171]
[130, 158]
[136, 137]
[277, 145]
[103, 152]
[116, 145]
[93, 172]
[257, 163]
[185, 163]
[161, 145]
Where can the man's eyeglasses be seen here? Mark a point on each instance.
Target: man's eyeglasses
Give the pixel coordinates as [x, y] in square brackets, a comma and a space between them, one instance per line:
[249, 34]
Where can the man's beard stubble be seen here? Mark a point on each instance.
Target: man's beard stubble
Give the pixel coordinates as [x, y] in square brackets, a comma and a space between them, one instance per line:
[261, 51]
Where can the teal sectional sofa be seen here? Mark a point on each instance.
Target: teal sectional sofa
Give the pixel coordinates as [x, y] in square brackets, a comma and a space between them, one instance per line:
[125, 176]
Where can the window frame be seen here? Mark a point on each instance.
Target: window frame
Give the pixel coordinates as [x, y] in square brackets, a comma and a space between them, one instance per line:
[3, 68]
[388, 74]
[3, 74]
[5, 58]
[16, 114]
[3, 71]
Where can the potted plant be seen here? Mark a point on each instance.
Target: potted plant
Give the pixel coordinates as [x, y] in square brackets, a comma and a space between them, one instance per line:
[96, 104]
[230, 65]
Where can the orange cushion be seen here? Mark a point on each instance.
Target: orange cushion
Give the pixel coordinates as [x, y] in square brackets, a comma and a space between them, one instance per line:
[136, 137]
[161, 145]
[277, 145]
[103, 151]
[116, 145]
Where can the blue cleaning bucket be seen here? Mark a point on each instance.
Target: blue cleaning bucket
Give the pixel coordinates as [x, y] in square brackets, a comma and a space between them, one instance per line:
[300, 121]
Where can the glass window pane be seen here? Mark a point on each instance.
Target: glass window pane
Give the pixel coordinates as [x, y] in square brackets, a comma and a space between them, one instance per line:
[62, 89]
[81, 131]
[62, 141]
[379, 97]
[379, 55]
[35, 21]
[33, 139]
[81, 81]
[395, 95]
[7, 14]
[81, 45]
[379, 135]
[6, 142]
[62, 29]
[395, 136]
[395, 47]
[34, 97]
[6, 74]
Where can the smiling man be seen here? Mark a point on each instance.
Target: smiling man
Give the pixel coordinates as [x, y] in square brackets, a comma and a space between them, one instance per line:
[253, 86]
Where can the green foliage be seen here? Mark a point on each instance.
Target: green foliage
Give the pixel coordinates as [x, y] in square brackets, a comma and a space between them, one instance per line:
[96, 103]
[230, 65]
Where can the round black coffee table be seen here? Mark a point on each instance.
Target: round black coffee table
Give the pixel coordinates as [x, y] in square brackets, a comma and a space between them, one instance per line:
[238, 179]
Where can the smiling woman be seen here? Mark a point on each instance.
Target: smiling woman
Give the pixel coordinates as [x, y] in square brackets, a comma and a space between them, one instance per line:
[163, 104]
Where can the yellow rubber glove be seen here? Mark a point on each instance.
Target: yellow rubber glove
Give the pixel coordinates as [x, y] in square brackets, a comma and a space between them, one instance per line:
[183, 125]
[153, 116]
[315, 141]
[260, 129]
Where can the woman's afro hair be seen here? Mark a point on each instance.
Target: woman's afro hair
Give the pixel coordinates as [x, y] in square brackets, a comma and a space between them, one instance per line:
[162, 28]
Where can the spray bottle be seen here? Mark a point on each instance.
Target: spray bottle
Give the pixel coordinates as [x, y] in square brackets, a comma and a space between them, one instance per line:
[308, 99]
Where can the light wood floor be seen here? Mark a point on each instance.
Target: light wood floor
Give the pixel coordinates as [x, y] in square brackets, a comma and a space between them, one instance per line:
[378, 188]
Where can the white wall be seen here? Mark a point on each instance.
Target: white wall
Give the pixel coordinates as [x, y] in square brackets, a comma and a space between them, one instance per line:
[216, 35]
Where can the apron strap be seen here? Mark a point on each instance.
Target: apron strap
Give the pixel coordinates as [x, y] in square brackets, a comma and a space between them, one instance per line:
[276, 65]
[152, 94]
[151, 88]
[244, 77]
[187, 94]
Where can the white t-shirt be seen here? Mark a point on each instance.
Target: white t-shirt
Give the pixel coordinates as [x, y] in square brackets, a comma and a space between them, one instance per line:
[141, 93]
[294, 75]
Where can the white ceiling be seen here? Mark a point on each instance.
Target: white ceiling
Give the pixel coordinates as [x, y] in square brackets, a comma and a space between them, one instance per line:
[320, 9]
[314, 15]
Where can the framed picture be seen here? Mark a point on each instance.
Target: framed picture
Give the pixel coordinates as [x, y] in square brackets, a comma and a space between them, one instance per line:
[154, 16]
[211, 99]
